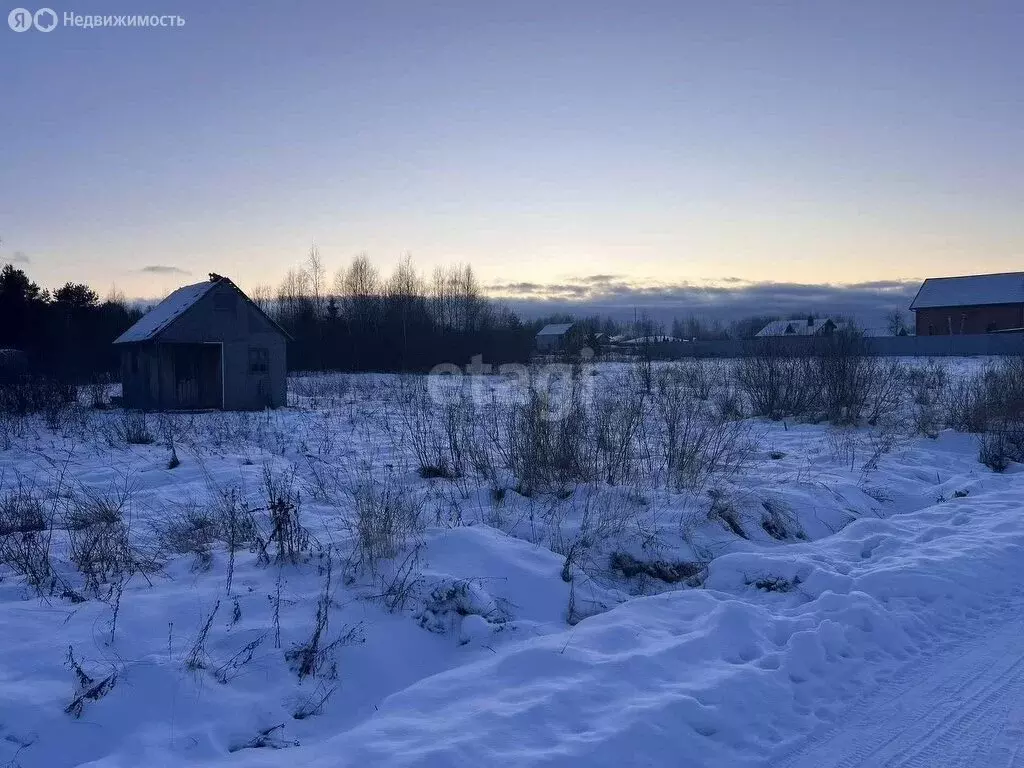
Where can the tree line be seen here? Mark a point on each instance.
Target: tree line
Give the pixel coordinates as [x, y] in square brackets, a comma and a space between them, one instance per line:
[362, 320]
[357, 319]
[66, 333]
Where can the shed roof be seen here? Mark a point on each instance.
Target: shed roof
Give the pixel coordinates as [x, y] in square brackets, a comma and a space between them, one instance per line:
[970, 291]
[166, 312]
[555, 329]
[154, 322]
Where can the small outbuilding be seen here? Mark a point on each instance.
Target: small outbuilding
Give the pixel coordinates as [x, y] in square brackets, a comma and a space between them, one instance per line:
[557, 337]
[206, 346]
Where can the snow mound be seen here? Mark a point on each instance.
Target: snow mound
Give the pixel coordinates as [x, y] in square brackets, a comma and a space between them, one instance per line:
[776, 646]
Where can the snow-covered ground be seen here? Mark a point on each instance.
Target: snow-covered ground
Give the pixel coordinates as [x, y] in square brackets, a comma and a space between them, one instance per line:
[842, 597]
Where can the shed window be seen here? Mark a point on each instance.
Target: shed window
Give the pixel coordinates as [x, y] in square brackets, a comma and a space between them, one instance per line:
[259, 360]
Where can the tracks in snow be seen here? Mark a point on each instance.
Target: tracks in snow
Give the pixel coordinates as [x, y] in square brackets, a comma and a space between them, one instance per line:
[962, 707]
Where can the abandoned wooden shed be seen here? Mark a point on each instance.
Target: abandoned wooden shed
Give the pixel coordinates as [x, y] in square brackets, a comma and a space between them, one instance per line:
[206, 346]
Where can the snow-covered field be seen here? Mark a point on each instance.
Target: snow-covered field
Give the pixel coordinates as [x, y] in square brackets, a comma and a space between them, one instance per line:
[820, 596]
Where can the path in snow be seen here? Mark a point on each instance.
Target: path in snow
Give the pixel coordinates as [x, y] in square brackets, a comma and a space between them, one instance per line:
[961, 707]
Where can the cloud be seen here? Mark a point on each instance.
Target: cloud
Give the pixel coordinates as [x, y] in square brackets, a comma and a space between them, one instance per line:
[600, 279]
[163, 269]
[19, 257]
[724, 299]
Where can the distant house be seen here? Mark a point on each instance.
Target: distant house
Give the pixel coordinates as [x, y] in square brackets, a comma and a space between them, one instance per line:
[970, 304]
[809, 327]
[205, 346]
[557, 337]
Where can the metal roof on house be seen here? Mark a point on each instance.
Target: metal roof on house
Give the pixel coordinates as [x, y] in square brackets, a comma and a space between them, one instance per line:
[150, 325]
[555, 329]
[970, 291]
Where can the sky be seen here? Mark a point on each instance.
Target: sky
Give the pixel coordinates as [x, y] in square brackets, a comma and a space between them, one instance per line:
[570, 151]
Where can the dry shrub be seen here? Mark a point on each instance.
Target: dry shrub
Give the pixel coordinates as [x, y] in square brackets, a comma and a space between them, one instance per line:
[133, 428]
[996, 448]
[833, 376]
[697, 442]
[287, 535]
[599, 517]
[991, 403]
[569, 430]
[387, 518]
[98, 389]
[100, 541]
[723, 510]
[87, 688]
[855, 386]
[928, 381]
[616, 419]
[25, 536]
[929, 395]
[12, 427]
[193, 529]
[700, 375]
[778, 381]
[197, 657]
[313, 705]
[779, 521]
[29, 393]
[437, 422]
[728, 401]
[236, 664]
[990, 396]
[547, 438]
[315, 656]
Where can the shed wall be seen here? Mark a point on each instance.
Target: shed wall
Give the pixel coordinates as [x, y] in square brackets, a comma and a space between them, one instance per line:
[253, 350]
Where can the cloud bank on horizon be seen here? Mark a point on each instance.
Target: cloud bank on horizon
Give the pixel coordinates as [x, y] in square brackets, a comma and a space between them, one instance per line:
[725, 299]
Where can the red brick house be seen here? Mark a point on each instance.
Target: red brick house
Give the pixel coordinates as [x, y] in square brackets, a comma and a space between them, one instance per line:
[970, 304]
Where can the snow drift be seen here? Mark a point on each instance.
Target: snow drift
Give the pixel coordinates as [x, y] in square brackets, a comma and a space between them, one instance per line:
[717, 677]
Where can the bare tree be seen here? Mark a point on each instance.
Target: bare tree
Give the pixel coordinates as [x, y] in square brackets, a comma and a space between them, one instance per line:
[292, 293]
[895, 323]
[316, 279]
[456, 300]
[402, 302]
[262, 296]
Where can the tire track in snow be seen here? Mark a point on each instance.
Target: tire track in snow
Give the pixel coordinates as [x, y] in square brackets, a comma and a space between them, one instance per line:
[960, 708]
[1008, 748]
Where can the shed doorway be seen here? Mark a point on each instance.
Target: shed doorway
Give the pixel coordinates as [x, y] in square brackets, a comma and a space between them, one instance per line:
[198, 376]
